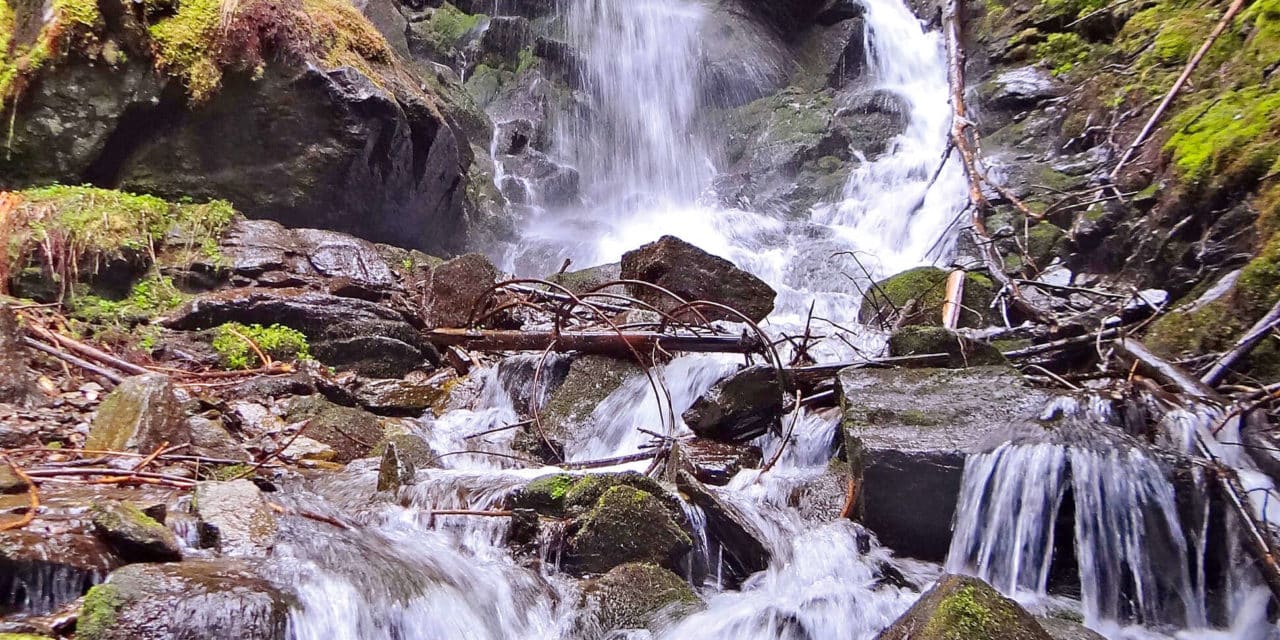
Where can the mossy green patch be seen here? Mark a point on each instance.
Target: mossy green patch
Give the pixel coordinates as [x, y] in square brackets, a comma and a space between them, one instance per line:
[920, 293]
[148, 298]
[963, 616]
[238, 345]
[186, 45]
[98, 613]
[1061, 52]
[1230, 139]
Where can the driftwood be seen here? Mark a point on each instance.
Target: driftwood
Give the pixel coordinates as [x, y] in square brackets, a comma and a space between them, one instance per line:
[1177, 86]
[111, 376]
[963, 135]
[951, 303]
[1261, 329]
[594, 342]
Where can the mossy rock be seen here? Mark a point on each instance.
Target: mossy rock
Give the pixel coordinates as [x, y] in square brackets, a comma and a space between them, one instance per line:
[590, 380]
[964, 608]
[636, 595]
[139, 415]
[627, 525]
[960, 351]
[925, 289]
[353, 433]
[567, 493]
[136, 536]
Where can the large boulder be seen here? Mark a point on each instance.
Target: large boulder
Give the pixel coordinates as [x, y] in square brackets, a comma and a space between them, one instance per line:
[456, 287]
[568, 411]
[960, 607]
[635, 596]
[739, 408]
[627, 525]
[140, 415]
[135, 535]
[908, 431]
[17, 385]
[694, 274]
[369, 338]
[297, 112]
[207, 599]
[735, 547]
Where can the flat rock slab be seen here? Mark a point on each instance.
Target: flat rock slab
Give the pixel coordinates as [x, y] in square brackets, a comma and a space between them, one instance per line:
[914, 428]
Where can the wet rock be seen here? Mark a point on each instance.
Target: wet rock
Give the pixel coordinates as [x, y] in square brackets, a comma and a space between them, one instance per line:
[363, 336]
[304, 448]
[584, 280]
[918, 294]
[739, 408]
[627, 525]
[732, 539]
[394, 471]
[400, 397]
[711, 461]
[964, 607]
[455, 288]
[693, 274]
[17, 385]
[210, 438]
[635, 596]
[140, 415]
[590, 380]
[411, 446]
[234, 518]
[1020, 88]
[957, 351]
[1060, 629]
[909, 430]
[564, 493]
[352, 433]
[213, 599]
[551, 184]
[10, 482]
[136, 536]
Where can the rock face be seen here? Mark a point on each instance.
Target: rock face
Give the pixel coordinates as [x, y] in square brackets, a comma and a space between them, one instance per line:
[634, 596]
[352, 433]
[17, 386]
[962, 607]
[234, 518]
[187, 600]
[139, 415]
[910, 429]
[455, 288]
[739, 408]
[693, 274]
[732, 540]
[356, 147]
[136, 536]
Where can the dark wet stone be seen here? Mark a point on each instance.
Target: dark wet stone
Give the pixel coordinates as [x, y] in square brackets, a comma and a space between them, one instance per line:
[956, 351]
[351, 432]
[739, 408]
[140, 415]
[136, 536]
[394, 471]
[1021, 88]
[964, 607]
[359, 335]
[693, 274]
[234, 518]
[568, 412]
[209, 438]
[398, 396]
[910, 429]
[1060, 629]
[731, 537]
[711, 461]
[198, 599]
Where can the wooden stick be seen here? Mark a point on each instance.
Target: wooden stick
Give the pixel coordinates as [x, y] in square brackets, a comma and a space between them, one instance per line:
[1177, 86]
[111, 376]
[777, 455]
[33, 497]
[1242, 347]
[1167, 372]
[88, 351]
[54, 473]
[951, 304]
[609, 462]
[595, 342]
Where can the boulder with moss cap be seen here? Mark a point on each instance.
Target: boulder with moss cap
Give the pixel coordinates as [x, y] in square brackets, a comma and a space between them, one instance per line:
[964, 608]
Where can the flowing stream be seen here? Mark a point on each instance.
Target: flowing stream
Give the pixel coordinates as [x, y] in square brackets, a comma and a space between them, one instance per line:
[646, 167]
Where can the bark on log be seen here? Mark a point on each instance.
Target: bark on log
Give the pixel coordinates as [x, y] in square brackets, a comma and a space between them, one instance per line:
[594, 342]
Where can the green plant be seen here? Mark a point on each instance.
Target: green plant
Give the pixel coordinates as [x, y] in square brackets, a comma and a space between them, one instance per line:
[238, 345]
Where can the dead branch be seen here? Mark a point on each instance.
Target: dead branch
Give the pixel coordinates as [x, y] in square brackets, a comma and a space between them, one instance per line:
[951, 302]
[111, 376]
[593, 342]
[1177, 86]
[609, 462]
[1243, 346]
[87, 351]
[33, 497]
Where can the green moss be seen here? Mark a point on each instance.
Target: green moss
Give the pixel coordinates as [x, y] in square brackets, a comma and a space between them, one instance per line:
[1261, 21]
[98, 613]
[1228, 140]
[447, 26]
[964, 616]
[922, 291]
[1061, 52]
[525, 60]
[148, 298]
[235, 342]
[546, 492]
[186, 45]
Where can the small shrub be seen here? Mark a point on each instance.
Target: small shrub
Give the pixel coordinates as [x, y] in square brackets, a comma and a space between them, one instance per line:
[232, 342]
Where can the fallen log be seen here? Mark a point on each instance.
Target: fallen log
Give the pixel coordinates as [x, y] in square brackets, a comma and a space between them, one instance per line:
[1167, 372]
[623, 344]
